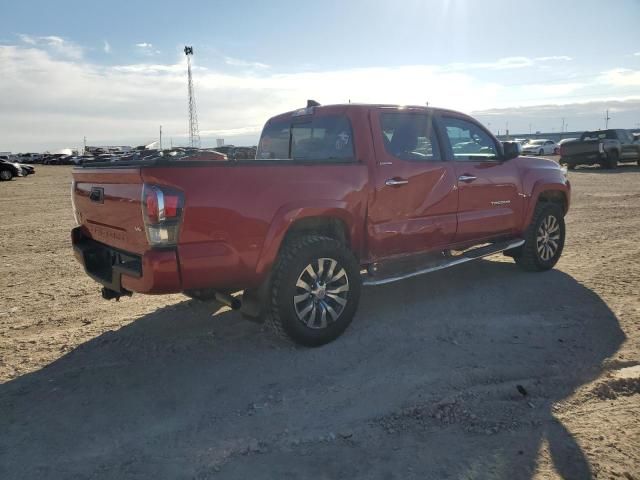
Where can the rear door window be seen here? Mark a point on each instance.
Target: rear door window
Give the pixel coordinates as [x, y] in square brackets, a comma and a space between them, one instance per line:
[322, 138]
[410, 136]
[317, 139]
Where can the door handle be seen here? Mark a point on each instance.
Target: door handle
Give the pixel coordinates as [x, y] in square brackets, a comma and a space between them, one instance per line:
[394, 182]
[467, 178]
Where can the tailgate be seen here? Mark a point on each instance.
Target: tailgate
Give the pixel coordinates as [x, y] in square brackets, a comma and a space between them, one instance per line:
[583, 147]
[108, 206]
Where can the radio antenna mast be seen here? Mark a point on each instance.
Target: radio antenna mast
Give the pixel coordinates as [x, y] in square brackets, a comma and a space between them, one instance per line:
[194, 133]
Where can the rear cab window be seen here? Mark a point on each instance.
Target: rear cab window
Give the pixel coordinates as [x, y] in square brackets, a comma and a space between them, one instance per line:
[309, 138]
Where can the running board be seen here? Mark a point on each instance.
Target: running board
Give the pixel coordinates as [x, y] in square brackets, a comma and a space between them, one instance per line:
[446, 262]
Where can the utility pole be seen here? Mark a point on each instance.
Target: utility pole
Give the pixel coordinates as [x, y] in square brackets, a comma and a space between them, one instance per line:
[606, 120]
[84, 147]
[194, 133]
[562, 125]
[529, 129]
[160, 137]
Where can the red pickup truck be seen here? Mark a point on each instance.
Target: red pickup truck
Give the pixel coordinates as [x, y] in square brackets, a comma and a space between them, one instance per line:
[337, 197]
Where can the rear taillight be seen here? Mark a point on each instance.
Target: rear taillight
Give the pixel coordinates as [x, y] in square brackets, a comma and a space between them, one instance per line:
[162, 211]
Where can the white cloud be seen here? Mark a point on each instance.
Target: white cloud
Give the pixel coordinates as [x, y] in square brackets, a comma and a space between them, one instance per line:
[621, 77]
[54, 44]
[147, 49]
[235, 62]
[107, 47]
[124, 104]
[508, 63]
[552, 58]
[548, 118]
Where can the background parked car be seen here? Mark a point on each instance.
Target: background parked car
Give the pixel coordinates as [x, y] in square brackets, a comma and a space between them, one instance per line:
[244, 153]
[540, 147]
[8, 170]
[27, 169]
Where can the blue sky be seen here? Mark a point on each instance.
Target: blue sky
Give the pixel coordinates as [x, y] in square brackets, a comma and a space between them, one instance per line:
[114, 71]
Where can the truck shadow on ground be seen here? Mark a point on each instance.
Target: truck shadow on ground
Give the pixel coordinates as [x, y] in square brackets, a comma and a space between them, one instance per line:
[423, 385]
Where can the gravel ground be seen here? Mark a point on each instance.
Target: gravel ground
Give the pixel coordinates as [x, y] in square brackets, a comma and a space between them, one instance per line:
[426, 383]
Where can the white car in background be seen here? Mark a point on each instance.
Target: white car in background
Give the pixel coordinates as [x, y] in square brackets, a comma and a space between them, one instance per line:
[540, 147]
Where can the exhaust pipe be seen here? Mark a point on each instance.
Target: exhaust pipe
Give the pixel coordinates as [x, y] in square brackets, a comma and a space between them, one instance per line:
[228, 300]
[109, 294]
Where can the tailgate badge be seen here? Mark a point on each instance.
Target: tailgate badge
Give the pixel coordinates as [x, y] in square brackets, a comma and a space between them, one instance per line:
[97, 194]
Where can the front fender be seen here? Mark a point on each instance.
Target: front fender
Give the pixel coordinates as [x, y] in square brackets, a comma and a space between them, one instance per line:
[288, 214]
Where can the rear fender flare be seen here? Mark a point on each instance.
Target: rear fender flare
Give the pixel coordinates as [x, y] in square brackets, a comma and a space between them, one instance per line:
[287, 215]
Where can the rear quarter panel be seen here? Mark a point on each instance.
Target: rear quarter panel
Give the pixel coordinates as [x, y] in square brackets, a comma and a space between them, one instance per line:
[236, 214]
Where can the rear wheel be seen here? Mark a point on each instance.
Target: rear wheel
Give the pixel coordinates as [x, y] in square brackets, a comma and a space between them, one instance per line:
[541, 152]
[544, 239]
[571, 166]
[6, 175]
[315, 290]
[612, 160]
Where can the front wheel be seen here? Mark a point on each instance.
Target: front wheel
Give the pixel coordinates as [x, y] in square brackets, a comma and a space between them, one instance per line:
[544, 239]
[540, 152]
[315, 290]
[6, 175]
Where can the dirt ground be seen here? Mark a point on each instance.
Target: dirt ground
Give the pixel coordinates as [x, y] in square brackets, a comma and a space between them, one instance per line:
[422, 386]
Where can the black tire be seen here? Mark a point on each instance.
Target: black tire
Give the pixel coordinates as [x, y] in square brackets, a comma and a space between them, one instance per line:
[6, 175]
[529, 256]
[540, 152]
[571, 166]
[612, 160]
[327, 319]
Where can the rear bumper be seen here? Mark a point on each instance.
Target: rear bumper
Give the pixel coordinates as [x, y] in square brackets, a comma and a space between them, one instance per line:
[583, 159]
[154, 272]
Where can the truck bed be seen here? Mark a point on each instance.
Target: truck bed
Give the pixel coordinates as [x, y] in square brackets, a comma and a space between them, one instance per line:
[232, 212]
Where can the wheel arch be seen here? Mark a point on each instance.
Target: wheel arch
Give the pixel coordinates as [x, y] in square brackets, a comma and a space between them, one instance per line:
[547, 193]
[330, 220]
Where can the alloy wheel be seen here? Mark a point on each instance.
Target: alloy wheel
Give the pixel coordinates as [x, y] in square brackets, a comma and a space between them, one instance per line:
[548, 238]
[322, 292]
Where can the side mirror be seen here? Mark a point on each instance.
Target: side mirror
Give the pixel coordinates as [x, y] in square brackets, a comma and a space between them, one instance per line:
[511, 150]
